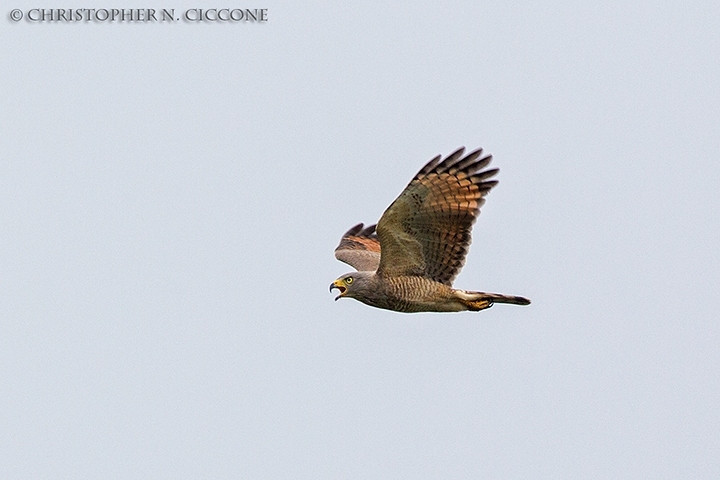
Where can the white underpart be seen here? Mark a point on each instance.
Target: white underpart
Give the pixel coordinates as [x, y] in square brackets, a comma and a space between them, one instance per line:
[465, 295]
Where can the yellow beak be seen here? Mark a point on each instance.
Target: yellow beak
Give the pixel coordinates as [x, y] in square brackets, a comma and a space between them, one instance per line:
[340, 286]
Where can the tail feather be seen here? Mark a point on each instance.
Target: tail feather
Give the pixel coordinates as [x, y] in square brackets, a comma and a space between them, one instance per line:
[476, 301]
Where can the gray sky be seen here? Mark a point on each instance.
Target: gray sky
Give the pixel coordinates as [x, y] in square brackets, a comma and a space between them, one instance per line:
[172, 192]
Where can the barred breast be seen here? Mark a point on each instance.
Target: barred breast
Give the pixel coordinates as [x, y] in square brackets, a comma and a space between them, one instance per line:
[419, 294]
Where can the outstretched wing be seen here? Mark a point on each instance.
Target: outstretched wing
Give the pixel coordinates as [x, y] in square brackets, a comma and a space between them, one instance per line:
[360, 248]
[426, 230]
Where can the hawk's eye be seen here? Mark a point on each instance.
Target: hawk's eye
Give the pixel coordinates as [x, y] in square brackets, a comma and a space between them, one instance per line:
[349, 280]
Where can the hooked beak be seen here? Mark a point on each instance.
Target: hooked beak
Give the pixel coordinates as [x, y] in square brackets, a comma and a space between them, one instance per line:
[338, 284]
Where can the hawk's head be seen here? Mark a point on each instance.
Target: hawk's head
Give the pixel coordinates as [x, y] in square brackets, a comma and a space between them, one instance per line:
[352, 285]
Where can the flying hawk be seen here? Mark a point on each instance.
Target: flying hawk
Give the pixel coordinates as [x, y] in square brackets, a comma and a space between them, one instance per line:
[410, 262]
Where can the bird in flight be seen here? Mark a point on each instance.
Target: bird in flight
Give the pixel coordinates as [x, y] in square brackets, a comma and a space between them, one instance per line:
[408, 261]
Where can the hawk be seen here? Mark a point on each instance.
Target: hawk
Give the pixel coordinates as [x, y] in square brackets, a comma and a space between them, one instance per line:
[407, 263]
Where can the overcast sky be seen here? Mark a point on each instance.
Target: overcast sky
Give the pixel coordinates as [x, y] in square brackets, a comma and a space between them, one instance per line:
[171, 194]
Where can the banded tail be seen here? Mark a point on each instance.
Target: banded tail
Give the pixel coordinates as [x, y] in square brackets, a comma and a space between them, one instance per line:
[476, 301]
